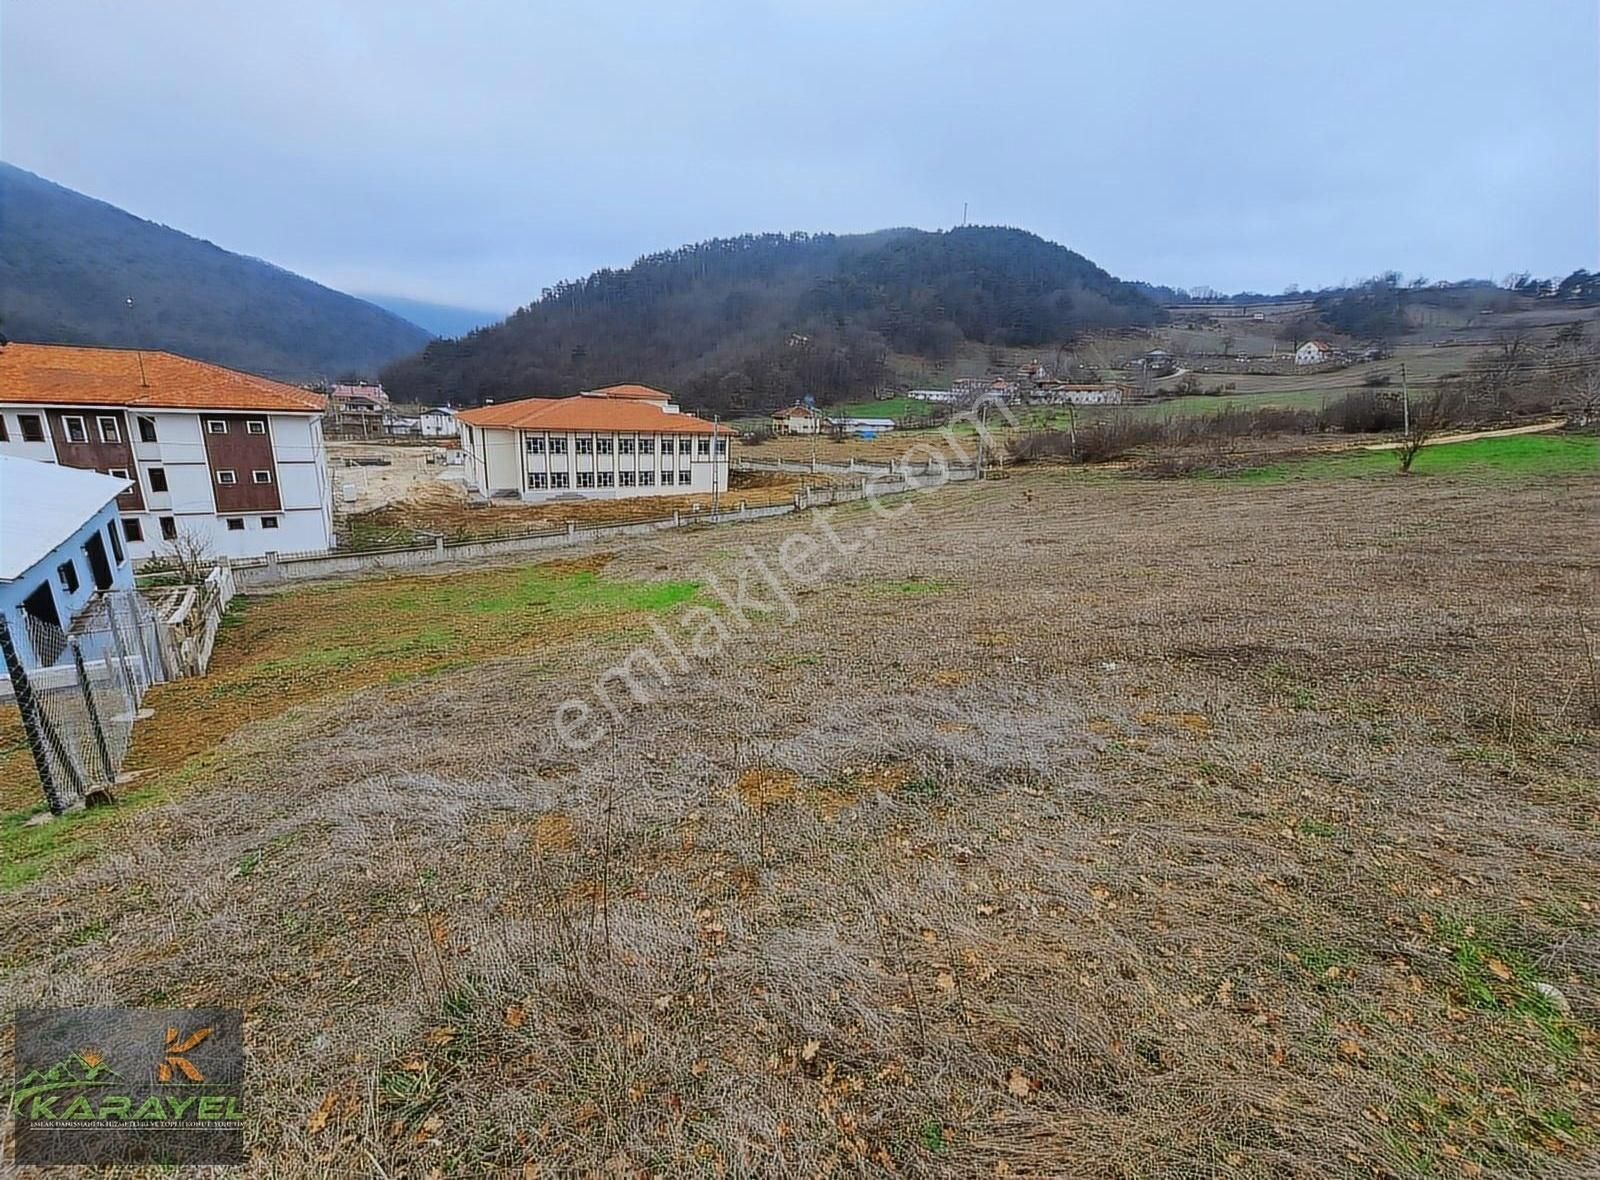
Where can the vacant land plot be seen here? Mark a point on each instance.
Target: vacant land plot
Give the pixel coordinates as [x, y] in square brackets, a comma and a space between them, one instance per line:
[445, 508]
[1072, 826]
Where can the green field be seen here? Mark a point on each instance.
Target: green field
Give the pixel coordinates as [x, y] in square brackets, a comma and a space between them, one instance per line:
[889, 407]
[1518, 456]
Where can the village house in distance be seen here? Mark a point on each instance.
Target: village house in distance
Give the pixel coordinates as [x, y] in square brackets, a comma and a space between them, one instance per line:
[612, 443]
[229, 460]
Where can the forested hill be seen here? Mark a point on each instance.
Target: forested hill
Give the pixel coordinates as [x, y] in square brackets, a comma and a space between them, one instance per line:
[69, 264]
[739, 323]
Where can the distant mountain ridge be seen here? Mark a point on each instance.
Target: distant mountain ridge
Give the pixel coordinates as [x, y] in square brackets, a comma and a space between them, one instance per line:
[736, 323]
[441, 319]
[69, 263]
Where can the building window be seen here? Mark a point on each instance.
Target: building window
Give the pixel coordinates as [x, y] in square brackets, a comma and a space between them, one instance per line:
[169, 528]
[269, 522]
[110, 431]
[684, 445]
[558, 479]
[5, 435]
[603, 445]
[132, 528]
[537, 481]
[624, 446]
[74, 429]
[558, 445]
[147, 429]
[647, 479]
[702, 447]
[158, 478]
[32, 427]
[227, 477]
[607, 479]
[261, 477]
[114, 535]
[685, 476]
[236, 524]
[722, 446]
[583, 446]
[216, 426]
[625, 478]
[67, 571]
[647, 446]
[119, 472]
[586, 479]
[534, 444]
[255, 426]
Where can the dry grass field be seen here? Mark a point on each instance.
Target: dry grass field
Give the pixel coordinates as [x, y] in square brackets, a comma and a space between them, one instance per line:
[444, 507]
[1075, 826]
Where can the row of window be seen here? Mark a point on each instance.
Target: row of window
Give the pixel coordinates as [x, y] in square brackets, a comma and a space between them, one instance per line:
[228, 478]
[583, 445]
[75, 427]
[133, 527]
[540, 481]
[158, 477]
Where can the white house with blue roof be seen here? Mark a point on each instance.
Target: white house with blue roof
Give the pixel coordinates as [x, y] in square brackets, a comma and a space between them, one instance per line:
[61, 543]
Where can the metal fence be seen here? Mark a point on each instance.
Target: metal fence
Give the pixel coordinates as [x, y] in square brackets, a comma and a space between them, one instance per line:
[78, 692]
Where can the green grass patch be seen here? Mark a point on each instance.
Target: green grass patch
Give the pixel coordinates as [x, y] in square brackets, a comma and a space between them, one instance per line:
[889, 407]
[1517, 457]
[1493, 977]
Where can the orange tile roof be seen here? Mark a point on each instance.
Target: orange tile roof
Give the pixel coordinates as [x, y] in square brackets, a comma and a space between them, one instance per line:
[71, 375]
[641, 392]
[590, 411]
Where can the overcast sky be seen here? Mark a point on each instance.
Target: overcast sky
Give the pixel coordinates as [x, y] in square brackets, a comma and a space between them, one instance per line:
[475, 152]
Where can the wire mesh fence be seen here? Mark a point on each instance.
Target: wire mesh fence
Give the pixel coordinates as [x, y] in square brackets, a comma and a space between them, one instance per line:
[79, 691]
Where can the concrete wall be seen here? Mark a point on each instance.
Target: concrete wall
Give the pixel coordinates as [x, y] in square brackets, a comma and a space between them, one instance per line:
[274, 570]
[954, 473]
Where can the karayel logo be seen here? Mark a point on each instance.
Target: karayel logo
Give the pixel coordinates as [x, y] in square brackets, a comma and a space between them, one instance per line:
[128, 1085]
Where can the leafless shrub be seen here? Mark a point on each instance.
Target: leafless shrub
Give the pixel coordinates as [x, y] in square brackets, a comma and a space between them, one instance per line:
[1364, 413]
[189, 555]
[1436, 412]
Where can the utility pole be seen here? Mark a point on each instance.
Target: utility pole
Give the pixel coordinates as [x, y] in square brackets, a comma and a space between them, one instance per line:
[1405, 395]
[715, 437]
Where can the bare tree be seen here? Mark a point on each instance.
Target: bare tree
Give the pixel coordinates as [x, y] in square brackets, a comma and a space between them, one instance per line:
[189, 554]
[1438, 411]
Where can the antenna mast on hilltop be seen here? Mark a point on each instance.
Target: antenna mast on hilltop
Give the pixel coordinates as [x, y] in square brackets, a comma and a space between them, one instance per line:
[963, 214]
[137, 351]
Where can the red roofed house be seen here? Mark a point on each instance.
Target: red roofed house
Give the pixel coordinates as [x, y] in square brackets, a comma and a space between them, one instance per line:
[234, 460]
[625, 440]
[798, 420]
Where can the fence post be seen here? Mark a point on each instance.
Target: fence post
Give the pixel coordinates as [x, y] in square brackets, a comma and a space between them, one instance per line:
[122, 663]
[94, 714]
[28, 706]
[572, 529]
[438, 546]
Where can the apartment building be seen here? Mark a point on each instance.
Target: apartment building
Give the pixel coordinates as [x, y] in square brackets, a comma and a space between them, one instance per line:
[226, 458]
[612, 443]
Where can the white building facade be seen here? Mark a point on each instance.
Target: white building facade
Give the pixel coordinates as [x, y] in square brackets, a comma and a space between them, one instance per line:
[609, 444]
[438, 422]
[798, 420]
[1313, 352]
[214, 457]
